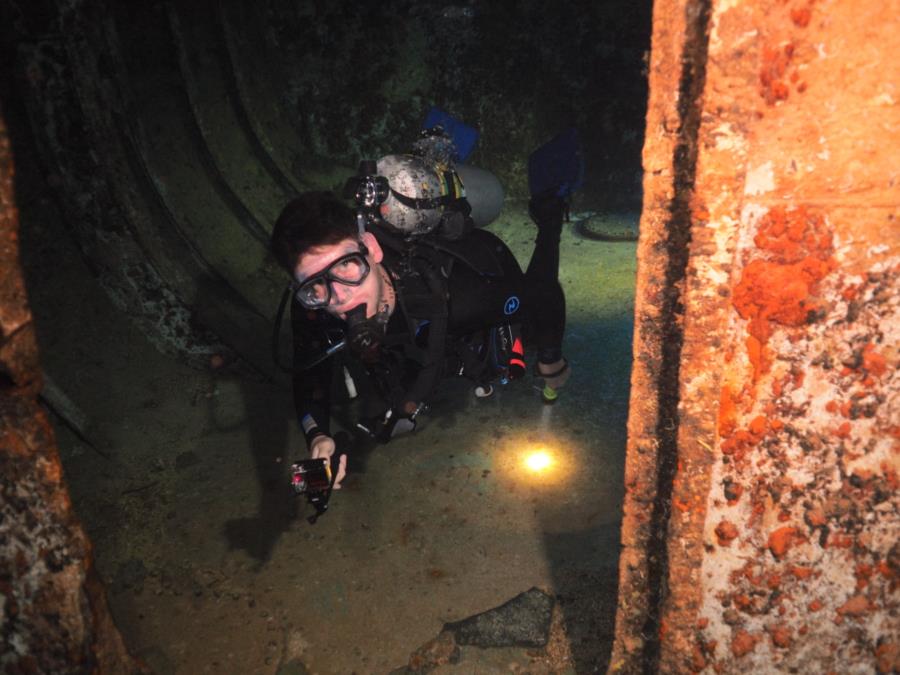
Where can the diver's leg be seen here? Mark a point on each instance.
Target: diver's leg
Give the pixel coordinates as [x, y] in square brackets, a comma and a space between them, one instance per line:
[547, 300]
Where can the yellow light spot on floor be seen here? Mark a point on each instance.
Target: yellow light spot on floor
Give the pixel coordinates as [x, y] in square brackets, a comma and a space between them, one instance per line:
[538, 461]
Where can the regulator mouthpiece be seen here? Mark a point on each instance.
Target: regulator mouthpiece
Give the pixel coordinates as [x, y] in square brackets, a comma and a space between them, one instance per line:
[364, 335]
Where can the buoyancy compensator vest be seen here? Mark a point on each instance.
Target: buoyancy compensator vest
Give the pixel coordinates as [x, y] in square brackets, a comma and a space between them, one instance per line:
[462, 302]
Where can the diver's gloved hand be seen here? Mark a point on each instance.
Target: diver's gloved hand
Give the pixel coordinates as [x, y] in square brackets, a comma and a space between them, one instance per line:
[548, 208]
[390, 425]
[323, 447]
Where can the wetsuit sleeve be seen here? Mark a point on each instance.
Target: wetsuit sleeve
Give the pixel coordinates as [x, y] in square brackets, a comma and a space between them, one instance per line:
[312, 388]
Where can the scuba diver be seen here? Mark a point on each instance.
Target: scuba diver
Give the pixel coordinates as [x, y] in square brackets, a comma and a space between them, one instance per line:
[410, 290]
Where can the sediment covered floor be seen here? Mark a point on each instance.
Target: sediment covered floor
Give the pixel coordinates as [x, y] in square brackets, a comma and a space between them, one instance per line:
[210, 564]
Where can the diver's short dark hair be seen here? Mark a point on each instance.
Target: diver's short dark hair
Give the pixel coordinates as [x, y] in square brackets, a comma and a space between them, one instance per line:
[316, 218]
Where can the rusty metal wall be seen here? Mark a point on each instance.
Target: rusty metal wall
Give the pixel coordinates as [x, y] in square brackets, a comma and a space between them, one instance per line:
[54, 613]
[765, 535]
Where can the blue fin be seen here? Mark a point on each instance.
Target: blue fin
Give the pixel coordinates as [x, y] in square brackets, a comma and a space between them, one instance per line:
[464, 137]
[557, 166]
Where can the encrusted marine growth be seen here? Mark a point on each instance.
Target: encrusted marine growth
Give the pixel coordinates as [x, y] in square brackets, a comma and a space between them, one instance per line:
[804, 506]
[781, 535]
[778, 286]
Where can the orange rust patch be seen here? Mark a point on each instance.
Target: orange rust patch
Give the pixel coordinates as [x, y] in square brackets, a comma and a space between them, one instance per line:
[843, 431]
[773, 66]
[873, 362]
[890, 475]
[756, 356]
[780, 287]
[781, 540]
[781, 636]
[839, 541]
[726, 532]
[793, 235]
[698, 660]
[815, 516]
[758, 425]
[888, 656]
[742, 602]
[850, 292]
[735, 490]
[801, 16]
[777, 292]
[739, 443]
[801, 572]
[855, 606]
[863, 474]
[727, 411]
[863, 573]
[743, 643]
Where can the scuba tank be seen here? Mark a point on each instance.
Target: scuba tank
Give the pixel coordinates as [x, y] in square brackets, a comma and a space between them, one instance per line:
[425, 191]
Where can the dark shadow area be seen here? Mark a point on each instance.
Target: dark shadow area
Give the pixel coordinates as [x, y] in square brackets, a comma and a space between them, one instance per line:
[586, 594]
[584, 562]
[258, 533]
[520, 71]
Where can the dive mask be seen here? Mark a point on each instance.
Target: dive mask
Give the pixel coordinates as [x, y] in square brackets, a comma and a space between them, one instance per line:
[350, 270]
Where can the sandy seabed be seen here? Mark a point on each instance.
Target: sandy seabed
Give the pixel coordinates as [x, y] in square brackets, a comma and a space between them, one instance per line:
[209, 562]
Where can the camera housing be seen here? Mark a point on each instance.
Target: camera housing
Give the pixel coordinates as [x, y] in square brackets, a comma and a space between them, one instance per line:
[367, 188]
[311, 477]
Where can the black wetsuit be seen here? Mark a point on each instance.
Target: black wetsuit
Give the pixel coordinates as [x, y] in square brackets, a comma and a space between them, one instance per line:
[451, 296]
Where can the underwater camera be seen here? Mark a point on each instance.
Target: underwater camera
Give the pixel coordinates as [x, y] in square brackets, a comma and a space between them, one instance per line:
[312, 477]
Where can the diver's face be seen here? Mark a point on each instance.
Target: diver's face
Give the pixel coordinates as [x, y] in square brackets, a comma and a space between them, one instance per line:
[345, 297]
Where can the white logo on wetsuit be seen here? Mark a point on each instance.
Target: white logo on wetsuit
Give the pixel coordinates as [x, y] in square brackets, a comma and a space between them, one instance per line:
[511, 305]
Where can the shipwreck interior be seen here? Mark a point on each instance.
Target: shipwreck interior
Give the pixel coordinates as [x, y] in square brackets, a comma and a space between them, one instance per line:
[155, 144]
[715, 489]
